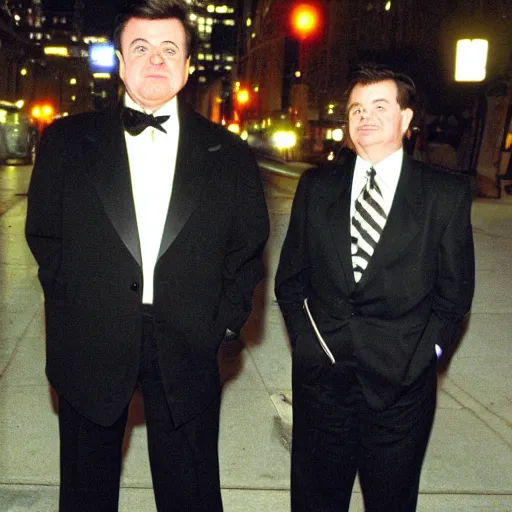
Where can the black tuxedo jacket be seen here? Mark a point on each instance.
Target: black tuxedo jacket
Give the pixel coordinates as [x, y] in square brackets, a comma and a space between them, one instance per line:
[414, 293]
[82, 229]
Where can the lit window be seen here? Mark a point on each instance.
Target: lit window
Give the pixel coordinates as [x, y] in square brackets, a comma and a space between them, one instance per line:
[229, 58]
[211, 8]
[202, 79]
[200, 56]
[221, 9]
[471, 60]
[208, 30]
[248, 22]
[209, 57]
[227, 68]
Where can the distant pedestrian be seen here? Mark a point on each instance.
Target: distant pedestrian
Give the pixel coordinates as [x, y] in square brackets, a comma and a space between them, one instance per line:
[376, 275]
[148, 226]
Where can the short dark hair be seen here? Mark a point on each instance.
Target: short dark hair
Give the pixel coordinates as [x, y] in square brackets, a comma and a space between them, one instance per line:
[156, 10]
[366, 75]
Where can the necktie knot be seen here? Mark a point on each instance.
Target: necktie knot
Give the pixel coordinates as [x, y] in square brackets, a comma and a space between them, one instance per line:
[370, 182]
[135, 121]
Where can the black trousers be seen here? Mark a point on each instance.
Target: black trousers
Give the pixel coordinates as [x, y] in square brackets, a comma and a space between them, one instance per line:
[184, 461]
[336, 435]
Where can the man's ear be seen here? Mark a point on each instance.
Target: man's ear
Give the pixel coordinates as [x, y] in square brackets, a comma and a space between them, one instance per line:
[407, 114]
[119, 56]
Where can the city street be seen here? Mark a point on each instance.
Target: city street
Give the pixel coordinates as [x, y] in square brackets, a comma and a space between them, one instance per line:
[468, 467]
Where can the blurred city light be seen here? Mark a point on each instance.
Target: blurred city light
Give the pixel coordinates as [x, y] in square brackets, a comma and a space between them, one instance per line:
[471, 60]
[234, 127]
[242, 96]
[102, 57]
[284, 139]
[43, 112]
[58, 51]
[305, 19]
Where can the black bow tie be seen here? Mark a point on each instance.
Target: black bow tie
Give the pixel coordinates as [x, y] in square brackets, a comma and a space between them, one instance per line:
[135, 122]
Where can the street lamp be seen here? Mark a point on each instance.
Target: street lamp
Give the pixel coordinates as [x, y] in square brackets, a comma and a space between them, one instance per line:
[304, 20]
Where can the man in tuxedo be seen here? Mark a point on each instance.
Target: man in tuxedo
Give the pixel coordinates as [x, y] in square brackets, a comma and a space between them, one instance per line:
[376, 274]
[148, 225]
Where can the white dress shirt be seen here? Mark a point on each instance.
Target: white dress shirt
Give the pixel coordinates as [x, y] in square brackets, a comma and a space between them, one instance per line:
[387, 175]
[152, 159]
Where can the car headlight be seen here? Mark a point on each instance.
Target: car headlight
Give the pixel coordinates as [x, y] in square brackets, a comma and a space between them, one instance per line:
[284, 139]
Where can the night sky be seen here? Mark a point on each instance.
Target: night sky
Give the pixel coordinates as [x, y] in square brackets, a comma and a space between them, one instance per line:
[98, 14]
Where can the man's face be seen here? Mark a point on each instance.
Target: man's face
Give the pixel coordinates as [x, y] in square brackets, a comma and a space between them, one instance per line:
[153, 62]
[376, 122]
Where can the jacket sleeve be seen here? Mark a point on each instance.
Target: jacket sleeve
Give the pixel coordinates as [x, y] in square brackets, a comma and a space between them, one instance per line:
[43, 228]
[456, 275]
[243, 265]
[292, 276]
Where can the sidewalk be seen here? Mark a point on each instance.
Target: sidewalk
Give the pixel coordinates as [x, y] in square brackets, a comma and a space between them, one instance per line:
[469, 461]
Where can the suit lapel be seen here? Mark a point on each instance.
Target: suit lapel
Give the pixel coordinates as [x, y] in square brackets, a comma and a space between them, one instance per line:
[109, 171]
[190, 175]
[337, 192]
[403, 223]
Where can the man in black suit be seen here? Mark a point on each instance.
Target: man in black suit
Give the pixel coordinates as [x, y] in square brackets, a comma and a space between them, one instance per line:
[148, 231]
[377, 269]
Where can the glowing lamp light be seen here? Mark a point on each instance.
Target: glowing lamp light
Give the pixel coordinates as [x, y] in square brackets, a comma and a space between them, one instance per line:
[43, 112]
[337, 135]
[242, 96]
[305, 18]
[58, 51]
[284, 139]
[471, 60]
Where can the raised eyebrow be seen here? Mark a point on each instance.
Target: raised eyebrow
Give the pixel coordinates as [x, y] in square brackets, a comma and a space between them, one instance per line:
[379, 100]
[138, 41]
[145, 41]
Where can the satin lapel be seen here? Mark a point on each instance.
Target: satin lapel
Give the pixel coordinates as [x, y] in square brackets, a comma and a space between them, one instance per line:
[404, 220]
[337, 196]
[190, 175]
[108, 169]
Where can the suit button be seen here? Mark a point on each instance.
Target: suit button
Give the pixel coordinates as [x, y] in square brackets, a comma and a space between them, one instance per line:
[134, 287]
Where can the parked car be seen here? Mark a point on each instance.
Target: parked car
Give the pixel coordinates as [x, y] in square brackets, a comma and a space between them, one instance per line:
[19, 137]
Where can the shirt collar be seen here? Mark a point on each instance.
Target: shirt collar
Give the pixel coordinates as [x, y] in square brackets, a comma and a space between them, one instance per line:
[387, 170]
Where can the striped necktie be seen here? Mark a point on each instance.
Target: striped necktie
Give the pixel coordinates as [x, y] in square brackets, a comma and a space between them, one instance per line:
[367, 224]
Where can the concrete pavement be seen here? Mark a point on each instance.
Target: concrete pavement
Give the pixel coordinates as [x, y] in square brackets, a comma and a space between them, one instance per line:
[469, 461]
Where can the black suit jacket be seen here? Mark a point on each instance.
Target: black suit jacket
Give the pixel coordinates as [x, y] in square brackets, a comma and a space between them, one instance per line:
[414, 293]
[81, 227]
